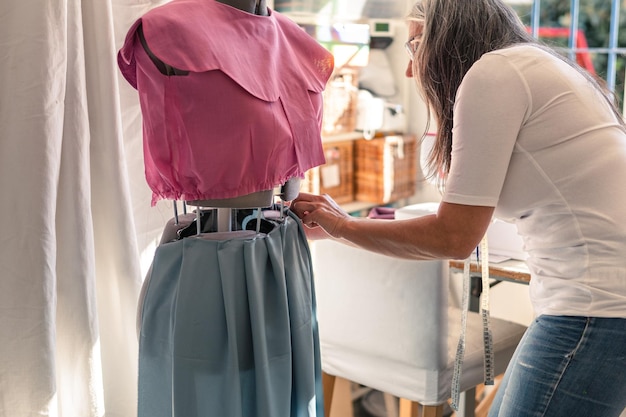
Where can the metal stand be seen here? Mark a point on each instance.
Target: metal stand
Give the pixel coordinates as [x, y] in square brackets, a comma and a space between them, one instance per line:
[224, 219]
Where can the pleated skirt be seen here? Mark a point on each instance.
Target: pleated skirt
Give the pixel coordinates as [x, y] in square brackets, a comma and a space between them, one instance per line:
[229, 329]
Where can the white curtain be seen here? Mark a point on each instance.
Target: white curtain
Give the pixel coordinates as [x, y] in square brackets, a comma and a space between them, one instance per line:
[72, 188]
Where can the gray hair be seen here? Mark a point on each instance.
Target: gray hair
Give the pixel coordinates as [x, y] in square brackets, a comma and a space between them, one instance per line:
[456, 33]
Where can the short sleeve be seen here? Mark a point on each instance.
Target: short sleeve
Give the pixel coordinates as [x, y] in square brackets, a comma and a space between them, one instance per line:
[491, 105]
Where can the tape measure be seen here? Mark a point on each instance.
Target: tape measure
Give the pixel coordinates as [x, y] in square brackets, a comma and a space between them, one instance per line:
[484, 310]
[483, 259]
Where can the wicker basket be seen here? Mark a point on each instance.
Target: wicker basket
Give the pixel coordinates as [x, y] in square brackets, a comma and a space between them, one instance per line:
[335, 177]
[340, 103]
[385, 168]
[305, 6]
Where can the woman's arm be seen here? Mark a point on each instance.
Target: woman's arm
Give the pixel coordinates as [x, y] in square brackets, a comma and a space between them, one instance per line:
[452, 233]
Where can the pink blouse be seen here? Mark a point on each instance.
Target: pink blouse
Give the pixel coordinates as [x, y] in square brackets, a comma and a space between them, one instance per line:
[247, 116]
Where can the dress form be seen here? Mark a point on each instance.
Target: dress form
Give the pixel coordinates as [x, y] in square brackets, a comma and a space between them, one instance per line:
[258, 7]
[226, 318]
[264, 198]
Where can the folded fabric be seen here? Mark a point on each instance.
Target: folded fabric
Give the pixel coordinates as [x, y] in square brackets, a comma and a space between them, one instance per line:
[382, 213]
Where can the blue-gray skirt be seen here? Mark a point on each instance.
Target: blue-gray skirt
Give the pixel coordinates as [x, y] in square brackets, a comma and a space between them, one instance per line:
[228, 328]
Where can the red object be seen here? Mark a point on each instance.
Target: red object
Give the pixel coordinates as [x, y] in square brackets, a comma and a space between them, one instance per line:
[583, 58]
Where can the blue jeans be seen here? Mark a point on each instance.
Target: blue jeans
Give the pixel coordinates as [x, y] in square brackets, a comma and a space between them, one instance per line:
[566, 367]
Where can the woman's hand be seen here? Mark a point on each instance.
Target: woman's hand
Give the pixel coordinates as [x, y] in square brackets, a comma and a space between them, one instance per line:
[452, 233]
[321, 214]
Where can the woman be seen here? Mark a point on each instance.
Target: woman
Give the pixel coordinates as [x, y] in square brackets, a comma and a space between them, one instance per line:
[530, 138]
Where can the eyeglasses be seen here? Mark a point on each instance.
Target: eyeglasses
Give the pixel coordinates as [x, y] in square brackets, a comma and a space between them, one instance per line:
[411, 46]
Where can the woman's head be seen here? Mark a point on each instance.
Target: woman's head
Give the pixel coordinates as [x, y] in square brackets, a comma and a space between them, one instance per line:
[457, 33]
[451, 36]
[447, 37]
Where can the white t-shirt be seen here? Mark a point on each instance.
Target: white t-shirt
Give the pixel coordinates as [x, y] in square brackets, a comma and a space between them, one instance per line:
[532, 138]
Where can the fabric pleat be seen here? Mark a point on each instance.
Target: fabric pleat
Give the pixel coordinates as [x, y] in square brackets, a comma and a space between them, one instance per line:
[229, 328]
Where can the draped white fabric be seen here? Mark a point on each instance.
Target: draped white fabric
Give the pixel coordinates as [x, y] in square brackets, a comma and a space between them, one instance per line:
[69, 249]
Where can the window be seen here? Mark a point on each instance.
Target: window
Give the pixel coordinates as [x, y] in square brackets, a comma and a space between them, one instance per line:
[585, 30]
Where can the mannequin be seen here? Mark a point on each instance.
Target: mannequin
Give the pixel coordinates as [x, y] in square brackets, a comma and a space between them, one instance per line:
[288, 191]
[257, 7]
[231, 100]
[304, 147]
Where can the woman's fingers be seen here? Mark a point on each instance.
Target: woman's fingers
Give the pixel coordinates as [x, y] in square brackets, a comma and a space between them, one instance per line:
[321, 212]
[306, 203]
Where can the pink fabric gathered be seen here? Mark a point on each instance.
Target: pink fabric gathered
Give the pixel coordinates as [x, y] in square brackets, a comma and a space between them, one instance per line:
[247, 116]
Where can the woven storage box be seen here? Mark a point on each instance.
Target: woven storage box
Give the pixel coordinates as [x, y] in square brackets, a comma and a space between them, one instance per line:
[340, 103]
[335, 177]
[306, 6]
[385, 168]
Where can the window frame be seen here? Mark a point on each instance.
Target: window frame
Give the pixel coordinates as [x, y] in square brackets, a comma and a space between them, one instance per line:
[576, 48]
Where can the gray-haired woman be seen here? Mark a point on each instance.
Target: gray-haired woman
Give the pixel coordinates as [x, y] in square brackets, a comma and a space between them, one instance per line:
[529, 137]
